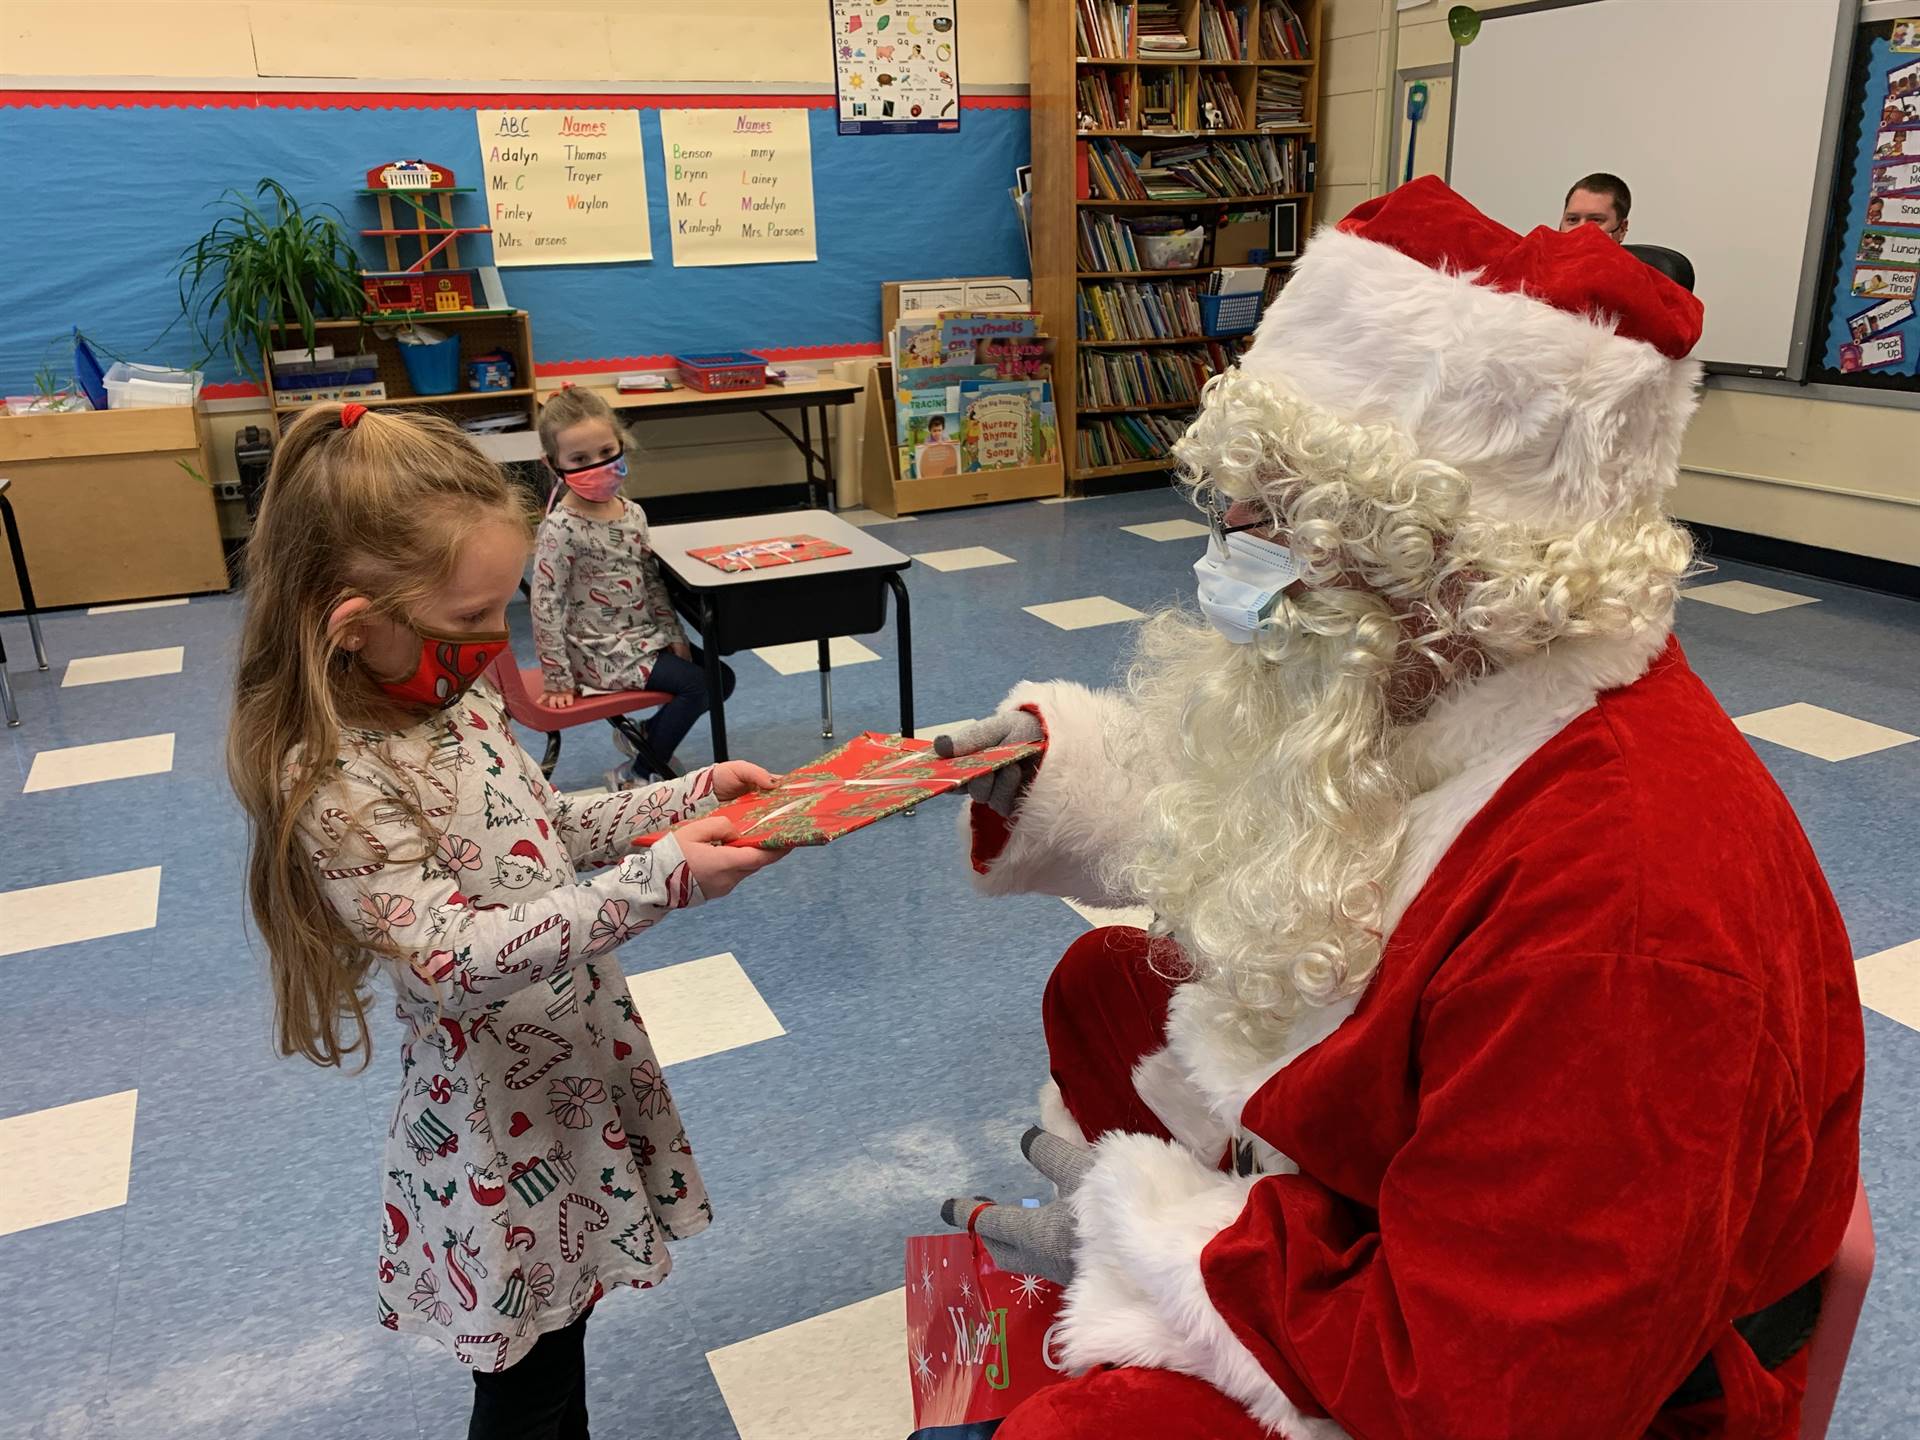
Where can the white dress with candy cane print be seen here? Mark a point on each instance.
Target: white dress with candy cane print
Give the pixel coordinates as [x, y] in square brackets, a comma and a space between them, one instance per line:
[600, 609]
[535, 1157]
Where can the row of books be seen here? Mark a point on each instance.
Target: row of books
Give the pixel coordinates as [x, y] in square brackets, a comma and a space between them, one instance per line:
[1282, 34]
[1257, 165]
[1160, 376]
[1103, 29]
[1161, 36]
[1136, 310]
[1280, 98]
[1104, 100]
[1223, 30]
[1126, 438]
[1220, 102]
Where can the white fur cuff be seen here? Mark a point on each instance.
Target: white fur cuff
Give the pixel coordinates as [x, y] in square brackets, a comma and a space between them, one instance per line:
[1143, 1215]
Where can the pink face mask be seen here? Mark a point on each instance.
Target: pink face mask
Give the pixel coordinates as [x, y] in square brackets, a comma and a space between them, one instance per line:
[596, 482]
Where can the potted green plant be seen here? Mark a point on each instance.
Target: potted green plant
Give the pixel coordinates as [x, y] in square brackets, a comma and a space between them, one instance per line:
[266, 264]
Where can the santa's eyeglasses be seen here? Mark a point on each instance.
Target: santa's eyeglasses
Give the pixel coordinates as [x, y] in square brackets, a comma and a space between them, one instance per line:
[1217, 521]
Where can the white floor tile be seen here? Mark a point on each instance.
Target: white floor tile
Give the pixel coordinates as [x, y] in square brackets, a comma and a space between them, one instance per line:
[803, 656]
[970, 557]
[1063, 500]
[928, 732]
[128, 665]
[1083, 614]
[67, 1161]
[90, 764]
[1824, 734]
[778, 1386]
[135, 605]
[1138, 916]
[1168, 530]
[867, 519]
[1746, 597]
[701, 1008]
[1890, 983]
[72, 910]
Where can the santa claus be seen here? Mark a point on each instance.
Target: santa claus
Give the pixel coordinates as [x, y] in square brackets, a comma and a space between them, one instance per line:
[1492, 1067]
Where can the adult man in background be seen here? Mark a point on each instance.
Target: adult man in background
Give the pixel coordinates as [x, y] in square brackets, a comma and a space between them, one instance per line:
[1598, 199]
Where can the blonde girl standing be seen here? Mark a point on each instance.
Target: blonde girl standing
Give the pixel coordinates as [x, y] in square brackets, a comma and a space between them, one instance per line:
[535, 1159]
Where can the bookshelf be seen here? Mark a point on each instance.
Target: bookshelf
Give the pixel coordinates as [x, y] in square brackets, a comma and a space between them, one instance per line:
[1236, 124]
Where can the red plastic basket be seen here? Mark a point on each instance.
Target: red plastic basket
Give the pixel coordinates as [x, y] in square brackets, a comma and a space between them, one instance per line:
[728, 370]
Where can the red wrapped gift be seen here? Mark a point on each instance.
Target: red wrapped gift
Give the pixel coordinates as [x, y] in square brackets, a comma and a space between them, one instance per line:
[765, 554]
[978, 1338]
[869, 778]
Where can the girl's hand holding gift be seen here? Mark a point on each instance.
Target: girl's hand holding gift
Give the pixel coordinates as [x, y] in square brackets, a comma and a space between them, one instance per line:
[734, 778]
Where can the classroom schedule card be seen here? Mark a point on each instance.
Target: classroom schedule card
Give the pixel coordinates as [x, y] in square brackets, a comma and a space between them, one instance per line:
[739, 186]
[565, 187]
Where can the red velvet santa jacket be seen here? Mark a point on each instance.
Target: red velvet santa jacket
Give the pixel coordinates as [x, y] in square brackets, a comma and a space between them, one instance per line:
[1600, 1098]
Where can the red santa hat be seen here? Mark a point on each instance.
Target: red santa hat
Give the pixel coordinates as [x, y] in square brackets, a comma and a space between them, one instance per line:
[527, 850]
[1549, 368]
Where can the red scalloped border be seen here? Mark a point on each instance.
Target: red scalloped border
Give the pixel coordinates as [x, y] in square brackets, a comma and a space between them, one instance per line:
[425, 100]
[610, 364]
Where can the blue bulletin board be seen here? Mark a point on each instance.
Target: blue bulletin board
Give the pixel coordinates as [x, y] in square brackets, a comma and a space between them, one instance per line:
[1867, 335]
[106, 188]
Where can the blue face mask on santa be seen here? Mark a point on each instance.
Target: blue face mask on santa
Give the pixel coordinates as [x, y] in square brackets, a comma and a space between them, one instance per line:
[1239, 579]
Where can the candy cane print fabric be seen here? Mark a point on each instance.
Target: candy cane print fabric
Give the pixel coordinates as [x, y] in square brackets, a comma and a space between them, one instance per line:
[536, 1158]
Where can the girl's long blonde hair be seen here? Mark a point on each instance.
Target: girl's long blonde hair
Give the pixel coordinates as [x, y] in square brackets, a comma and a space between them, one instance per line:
[378, 509]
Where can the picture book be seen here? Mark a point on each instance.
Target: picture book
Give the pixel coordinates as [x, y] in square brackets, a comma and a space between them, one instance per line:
[967, 339]
[764, 554]
[866, 779]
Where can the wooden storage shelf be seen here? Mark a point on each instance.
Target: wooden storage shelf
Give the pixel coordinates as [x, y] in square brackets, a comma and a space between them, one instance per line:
[1169, 340]
[1129, 88]
[1241, 134]
[1165, 274]
[1223, 200]
[481, 332]
[1132, 467]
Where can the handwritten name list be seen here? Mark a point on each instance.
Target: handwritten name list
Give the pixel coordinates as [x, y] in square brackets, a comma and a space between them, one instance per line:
[565, 187]
[739, 186]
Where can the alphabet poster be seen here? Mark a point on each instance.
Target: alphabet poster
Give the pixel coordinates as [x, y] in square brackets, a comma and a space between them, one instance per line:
[896, 65]
[565, 187]
[739, 186]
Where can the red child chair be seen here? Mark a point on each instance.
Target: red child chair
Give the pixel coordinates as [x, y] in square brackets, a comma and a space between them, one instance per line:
[1840, 1302]
[521, 690]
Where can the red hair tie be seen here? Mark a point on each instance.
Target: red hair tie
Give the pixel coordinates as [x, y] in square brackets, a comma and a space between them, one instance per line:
[350, 415]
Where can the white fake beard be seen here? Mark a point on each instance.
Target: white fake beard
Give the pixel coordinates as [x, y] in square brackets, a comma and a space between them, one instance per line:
[1281, 814]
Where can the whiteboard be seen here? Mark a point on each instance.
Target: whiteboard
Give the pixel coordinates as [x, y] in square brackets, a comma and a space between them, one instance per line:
[1715, 113]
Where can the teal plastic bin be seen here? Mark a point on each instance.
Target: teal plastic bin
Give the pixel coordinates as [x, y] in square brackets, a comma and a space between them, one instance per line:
[433, 369]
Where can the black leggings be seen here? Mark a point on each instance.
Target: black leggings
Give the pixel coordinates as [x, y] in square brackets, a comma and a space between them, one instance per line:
[544, 1397]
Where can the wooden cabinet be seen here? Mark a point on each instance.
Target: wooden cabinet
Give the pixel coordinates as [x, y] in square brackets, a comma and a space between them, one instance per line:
[113, 505]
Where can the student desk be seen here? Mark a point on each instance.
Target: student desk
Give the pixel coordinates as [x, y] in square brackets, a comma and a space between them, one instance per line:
[811, 398]
[741, 610]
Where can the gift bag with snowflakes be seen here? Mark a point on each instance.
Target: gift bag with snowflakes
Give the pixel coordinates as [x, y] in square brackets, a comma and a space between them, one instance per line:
[978, 1338]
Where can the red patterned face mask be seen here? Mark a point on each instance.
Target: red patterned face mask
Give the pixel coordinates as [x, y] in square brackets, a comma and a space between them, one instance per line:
[449, 664]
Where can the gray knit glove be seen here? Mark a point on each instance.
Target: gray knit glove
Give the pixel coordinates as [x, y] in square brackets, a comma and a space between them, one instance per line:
[1036, 1241]
[999, 790]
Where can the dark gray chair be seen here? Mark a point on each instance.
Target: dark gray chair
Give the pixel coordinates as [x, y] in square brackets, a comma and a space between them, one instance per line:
[1670, 263]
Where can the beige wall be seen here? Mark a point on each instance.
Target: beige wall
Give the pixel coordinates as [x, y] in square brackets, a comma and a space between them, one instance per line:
[482, 42]
[1821, 472]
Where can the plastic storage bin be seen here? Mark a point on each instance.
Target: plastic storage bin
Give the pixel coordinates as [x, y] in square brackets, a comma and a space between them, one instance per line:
[1180, 251]
[1224, 315]
[729, 370]
[326, 374]
[433, 369]
[133, 387]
